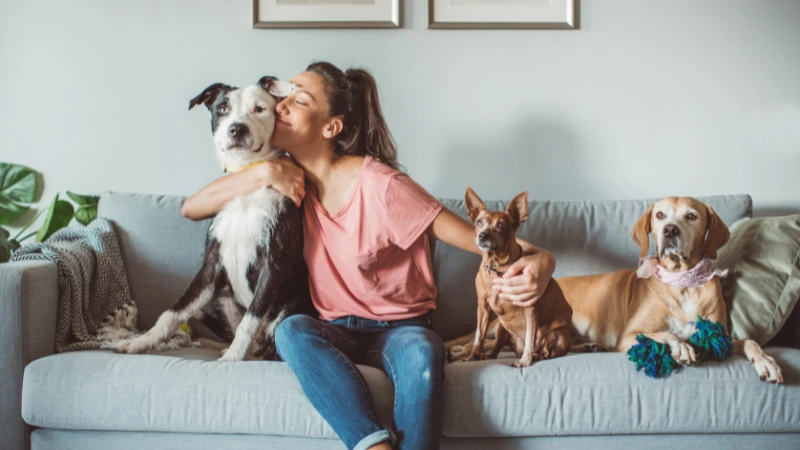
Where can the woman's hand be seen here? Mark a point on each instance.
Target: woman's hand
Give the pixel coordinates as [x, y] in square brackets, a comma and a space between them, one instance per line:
[525, 281]
[286, 177]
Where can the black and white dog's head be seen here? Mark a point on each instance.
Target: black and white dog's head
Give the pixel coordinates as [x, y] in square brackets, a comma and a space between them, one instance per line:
[242, 119]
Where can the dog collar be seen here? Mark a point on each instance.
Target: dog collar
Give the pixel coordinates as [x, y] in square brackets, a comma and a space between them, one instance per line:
[494, 269]
[239, 169]
[696, 276]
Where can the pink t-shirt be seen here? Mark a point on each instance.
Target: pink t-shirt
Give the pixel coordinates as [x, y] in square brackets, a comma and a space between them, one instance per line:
[372, 259]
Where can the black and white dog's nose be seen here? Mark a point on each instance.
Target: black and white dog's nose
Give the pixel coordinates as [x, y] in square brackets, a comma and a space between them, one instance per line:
[671, 231]
[237, 130]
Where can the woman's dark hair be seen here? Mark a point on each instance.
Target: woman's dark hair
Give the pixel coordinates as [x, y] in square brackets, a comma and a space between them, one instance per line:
[353, 94]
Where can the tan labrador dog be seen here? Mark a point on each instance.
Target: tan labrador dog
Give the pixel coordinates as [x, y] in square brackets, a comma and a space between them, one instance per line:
[611, 309]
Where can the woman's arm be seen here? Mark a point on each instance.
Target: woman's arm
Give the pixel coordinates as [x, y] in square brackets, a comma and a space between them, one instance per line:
[451, 228]
[282, 175]
[524, 282]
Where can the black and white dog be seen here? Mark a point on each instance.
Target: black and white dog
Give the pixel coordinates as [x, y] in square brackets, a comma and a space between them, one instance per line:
[253, 271]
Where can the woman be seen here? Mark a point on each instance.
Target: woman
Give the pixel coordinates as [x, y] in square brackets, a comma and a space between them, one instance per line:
[366, 229]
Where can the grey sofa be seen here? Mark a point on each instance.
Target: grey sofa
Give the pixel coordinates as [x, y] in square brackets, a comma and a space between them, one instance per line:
[186, 399]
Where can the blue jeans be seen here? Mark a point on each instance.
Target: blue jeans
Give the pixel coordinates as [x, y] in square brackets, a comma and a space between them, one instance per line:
[323, 356]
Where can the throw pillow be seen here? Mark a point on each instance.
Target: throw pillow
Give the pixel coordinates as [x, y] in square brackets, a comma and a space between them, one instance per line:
[763, 285]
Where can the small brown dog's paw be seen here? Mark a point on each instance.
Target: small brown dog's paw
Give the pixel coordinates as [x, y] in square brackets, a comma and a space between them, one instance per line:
[522, 364]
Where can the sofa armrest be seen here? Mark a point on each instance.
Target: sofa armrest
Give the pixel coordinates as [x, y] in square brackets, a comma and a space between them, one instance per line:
[28, 309]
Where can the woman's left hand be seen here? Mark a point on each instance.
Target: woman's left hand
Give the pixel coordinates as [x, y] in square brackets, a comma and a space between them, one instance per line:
[526, 280]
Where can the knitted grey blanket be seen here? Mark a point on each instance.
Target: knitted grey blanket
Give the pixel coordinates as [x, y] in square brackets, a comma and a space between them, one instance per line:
[95, 308]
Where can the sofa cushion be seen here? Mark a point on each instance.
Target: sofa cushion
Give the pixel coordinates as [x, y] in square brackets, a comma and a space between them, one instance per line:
[188, 391]
[162, 250]
[602, 393]
[763, 286]
[586, 237]
[178, 391]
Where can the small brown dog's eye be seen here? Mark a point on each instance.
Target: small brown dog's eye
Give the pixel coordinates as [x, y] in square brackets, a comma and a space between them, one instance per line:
[480, 223]
[659, 215]
[692, 216]
[500, 225]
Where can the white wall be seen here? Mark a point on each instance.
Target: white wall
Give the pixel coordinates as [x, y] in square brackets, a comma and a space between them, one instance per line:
[649, 98]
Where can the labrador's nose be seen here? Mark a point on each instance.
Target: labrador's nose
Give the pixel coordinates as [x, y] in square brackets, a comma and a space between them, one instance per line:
[672, 231]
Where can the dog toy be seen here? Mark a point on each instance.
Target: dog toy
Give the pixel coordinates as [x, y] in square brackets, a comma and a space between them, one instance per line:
[710, 341]
[186, 328]
[653, 357]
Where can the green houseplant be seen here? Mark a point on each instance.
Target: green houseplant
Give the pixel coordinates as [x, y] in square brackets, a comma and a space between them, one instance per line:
[18, 188]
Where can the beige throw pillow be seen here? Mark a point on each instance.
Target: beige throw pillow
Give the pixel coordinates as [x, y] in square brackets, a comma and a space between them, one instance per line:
[763, 285]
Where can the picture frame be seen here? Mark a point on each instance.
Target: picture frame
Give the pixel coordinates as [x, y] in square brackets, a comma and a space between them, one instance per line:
[503, 14]
[327, 13]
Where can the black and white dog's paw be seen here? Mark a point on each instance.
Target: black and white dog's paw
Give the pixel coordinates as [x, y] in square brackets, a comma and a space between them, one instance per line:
[141, 344]
[230, 355]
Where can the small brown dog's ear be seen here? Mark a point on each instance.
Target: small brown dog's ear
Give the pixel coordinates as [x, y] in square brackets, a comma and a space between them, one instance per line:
[641, 232]
[518, 208]
[474, 204]
[718, 233]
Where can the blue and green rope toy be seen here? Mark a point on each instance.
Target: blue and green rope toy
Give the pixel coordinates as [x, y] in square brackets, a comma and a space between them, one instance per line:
[710, 342]
[653, 357]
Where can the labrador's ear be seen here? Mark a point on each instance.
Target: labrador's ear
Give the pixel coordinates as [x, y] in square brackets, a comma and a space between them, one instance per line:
[641, 232]
[209, 95]
[518, 208]
[717, 235]
[474, 204]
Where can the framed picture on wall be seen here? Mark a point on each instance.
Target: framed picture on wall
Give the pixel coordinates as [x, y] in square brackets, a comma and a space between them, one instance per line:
[326, 13]
[503, 14]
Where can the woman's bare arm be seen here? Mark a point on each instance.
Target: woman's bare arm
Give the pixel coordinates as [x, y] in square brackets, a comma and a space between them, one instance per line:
[451, 228]
[282, 175]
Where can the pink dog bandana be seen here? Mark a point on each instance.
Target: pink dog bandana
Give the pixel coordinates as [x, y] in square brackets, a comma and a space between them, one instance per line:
[696, 276]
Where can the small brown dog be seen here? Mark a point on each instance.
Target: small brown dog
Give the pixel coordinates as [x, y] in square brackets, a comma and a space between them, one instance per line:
[541, 331]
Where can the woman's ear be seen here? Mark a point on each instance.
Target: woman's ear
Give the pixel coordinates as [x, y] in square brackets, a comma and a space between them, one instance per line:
[332, 128]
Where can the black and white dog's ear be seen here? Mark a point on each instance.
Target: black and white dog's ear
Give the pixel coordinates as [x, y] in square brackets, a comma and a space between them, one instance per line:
[209, 95]
[275, 86]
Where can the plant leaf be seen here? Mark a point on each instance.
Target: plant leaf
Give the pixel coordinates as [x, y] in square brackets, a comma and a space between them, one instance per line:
[17, 187]
[82, 200]
[5, 246]
[10, 210]
[58, 216]
[17, 182]
[86, 214]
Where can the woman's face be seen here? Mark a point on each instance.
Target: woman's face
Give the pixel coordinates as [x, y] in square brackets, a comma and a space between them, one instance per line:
[301, 119]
